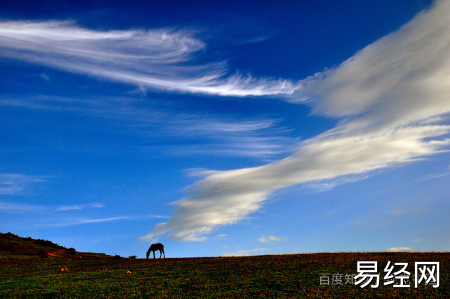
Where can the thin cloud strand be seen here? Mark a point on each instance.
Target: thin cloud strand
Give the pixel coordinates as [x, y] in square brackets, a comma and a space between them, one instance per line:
[157, 58]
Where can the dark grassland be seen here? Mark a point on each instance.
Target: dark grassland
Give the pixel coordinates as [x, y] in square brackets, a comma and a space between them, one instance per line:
[41, 269]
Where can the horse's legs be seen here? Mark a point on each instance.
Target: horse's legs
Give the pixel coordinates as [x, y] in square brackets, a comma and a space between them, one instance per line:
[154, 253]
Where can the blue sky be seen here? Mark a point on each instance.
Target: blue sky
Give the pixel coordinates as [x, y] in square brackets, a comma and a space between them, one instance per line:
[226, 128]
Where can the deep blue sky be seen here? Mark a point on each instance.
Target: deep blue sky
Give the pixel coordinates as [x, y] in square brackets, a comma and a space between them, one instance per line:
[111, 112]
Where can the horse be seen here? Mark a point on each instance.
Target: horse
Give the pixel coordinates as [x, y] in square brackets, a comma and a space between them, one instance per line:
[155, 247]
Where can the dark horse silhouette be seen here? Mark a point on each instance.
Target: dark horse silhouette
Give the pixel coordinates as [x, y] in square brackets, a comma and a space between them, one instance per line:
[155, 247]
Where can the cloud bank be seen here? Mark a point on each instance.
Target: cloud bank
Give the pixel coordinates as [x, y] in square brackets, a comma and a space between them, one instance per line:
[244, 252]
[393, 99]
[399, 249]
[159, 58]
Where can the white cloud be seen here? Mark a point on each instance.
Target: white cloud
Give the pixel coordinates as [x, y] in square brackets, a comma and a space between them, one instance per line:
[13, 207]
[399, 249]
[101, 220]
[159, 58]
[229, 196]
[200, 134]
[244, 252]
[386, 83]
[389, 94]
[271, 238]
[61, 222]
[45, 77]
[79, 207]
[436, 175]
[12, 183]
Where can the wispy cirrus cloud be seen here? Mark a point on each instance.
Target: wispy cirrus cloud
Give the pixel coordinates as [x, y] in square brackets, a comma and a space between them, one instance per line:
[263, 138]
[401, 211]
[72, 221]
[80, 207]
[13, 183]
[15, 207]
[392, 97]
[24, 207]
[157, 58]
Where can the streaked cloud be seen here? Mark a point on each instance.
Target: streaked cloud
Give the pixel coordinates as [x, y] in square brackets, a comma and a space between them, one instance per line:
[156, 216]
[393, 101]
[271, 238]
[80, 207]
[14, 207]
[401, 211]
[101, 220]
[244, 252]
[157, 58]
[13, 183]
[6, 206]
[81, 220]
[196, 134]
[229, 196]
[72, 221]
[435, 176]
[45, 77]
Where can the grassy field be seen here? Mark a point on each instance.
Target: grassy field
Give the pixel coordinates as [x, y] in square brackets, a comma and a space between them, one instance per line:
[40, 269]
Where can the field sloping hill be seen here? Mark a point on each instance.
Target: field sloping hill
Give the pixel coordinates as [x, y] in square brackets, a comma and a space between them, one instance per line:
[14, 246]
[41, 269]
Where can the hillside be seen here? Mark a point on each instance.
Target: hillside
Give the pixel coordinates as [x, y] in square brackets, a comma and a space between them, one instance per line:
[15, 247]
[41, 269]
